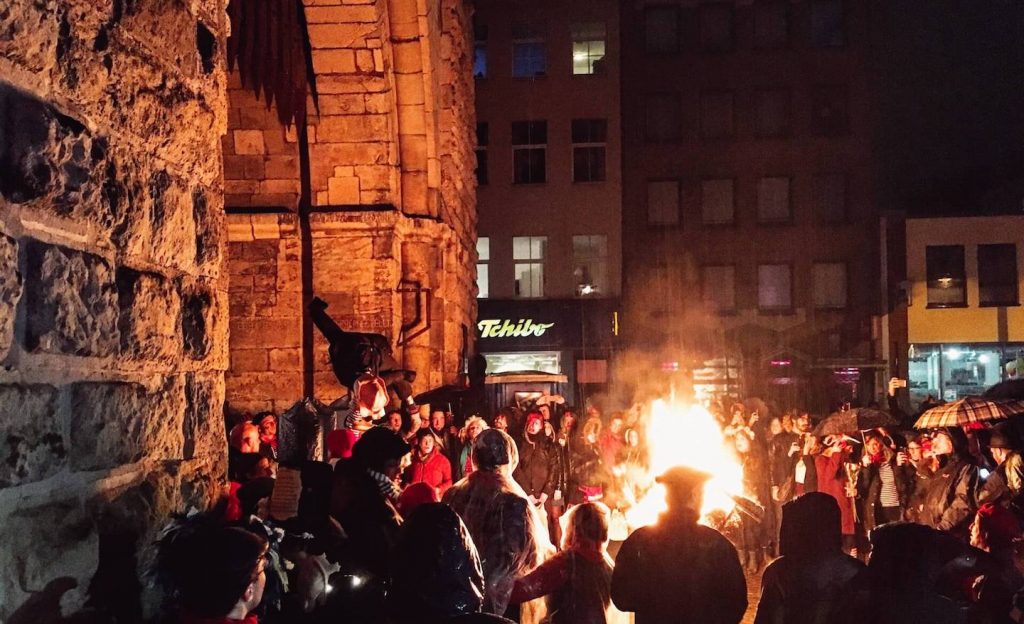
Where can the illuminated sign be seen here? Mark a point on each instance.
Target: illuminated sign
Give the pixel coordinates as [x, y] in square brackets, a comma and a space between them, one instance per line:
[505, 328]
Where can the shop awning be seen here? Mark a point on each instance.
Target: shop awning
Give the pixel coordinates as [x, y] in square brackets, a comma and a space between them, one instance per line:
[525, 377]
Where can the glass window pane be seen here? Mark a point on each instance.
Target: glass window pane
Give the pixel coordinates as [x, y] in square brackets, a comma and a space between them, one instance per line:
[718, 287]
[483, 248]
[829, 280]
[529, 279]
[946, 278]
[997, 275]
[480, 60]
[588, 164]
[663, 202]
[773, 203]
[717, 201]
[830, 197]
[529, 59]
[590, 264]
[483, 283]
[774, 287]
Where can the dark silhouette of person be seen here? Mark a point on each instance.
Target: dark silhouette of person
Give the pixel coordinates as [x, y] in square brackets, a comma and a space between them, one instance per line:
[676, 570]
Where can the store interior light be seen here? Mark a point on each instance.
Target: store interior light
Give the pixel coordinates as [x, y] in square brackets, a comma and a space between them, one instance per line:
[953, 354]
[983, 358]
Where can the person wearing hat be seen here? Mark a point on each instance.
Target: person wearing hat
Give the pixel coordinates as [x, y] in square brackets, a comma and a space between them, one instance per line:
[509, 532]
[1005, 485]
[677, 570]
[951, 484]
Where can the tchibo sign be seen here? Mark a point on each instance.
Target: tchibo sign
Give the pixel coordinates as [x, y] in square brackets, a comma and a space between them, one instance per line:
[505, 328]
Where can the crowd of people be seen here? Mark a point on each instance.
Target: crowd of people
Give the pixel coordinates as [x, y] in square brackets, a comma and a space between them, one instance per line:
[418, 519]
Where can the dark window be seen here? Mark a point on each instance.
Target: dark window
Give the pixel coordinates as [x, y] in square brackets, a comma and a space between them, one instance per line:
[830, 116]
[773, 203]
[529, 151]
[662, 118]
[830, 197]
[479, 50]
[661, 29]
[828, 29]
[772, 113]
[481, 153]
[716, 114]
[588, 149]
[946, 278]
[716, 27]
[997, 275]
[718, 287]
[662, 202]
[718, 201]
[529, 54]
[771, 25]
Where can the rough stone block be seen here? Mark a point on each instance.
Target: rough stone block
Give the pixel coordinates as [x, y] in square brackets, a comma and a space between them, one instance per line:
[331, 61]
[119, 423]
[198, 321]
[249, 360]
[353, 128]
[10, 291]
[249, 142]
[209, 225]
[71, 302]
[203, 424]
[343, 191]
[149, 321]
[35, 446]
[285, 359]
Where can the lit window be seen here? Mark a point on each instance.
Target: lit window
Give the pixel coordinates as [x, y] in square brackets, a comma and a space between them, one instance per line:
[718, 205]
[588, 149]
[483, 257]
[479, 50]
[772, 113]
[481, 153]
[716, 114]
[774, 287]
[661, 28]
[830, 197]
[827, 24]
[529, 54]
[829, 280]
[773, 205]
[997, 275]
[588, 48]
[663, 202]
[716, 27]
[529, 151]
[946, 277]
[662, 119]
[529, 252]
[771, 25]
[590, 264]
[718, 287]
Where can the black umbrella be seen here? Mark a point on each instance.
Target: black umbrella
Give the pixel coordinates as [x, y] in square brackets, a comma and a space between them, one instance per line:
[442, 395]
[1009, 389]
[854, 420]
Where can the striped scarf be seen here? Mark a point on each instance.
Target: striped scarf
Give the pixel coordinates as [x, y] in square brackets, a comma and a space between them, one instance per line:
[387, 487]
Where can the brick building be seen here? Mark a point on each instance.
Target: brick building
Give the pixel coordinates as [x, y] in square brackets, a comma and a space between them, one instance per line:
[548, 148]
[388, 236]
[750, 221]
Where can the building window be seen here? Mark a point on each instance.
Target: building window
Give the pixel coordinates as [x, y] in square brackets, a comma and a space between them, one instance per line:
[529, 151]
[771, 25]
[829, 110]
[479, 50]
[717, 201]
[716, 27]
[772, 113]
[529, 252]
[529, 54]
[830, 197]
[828, 29]
[716, 114]
[588, 149]
[829, 281]
[483, 258]
[774, 287]
[662, 121]
[588, 48]
[997, 275]
[946, 277]
[481, 153]
[590, 264]
[661, 29]
[773, 204]
[718, 287]
[662, 202]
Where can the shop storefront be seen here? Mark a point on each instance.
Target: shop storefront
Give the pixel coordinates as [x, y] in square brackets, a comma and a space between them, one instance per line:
[546, 346]
[952, 371]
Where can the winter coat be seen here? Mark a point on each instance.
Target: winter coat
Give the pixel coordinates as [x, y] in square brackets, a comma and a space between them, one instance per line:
[538, 466]
[369, 518]
[809, 592]
[950, 496]
[577, 584]
[435, 471]
[869, 488]
[781, 464]
[1005, 486]
[587, 470]
[679, 572]
[511, 536]
[832, 481]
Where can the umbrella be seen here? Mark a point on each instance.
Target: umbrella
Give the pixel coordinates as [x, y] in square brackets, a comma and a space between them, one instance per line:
[969, 410]
[1009, 389]
[442, 395]
[854, 420]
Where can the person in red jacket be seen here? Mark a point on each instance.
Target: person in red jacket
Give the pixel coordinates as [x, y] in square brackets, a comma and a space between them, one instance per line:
[429, 465]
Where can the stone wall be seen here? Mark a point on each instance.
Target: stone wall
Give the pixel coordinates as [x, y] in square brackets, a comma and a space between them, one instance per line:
[113, 307]
[393, 198]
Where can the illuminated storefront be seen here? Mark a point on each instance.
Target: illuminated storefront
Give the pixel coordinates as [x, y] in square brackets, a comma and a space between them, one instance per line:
[952, 371]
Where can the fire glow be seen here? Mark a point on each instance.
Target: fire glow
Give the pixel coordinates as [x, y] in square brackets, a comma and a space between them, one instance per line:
[687, 435]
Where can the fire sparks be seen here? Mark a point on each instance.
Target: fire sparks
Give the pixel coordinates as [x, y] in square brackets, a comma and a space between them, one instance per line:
[681, 435]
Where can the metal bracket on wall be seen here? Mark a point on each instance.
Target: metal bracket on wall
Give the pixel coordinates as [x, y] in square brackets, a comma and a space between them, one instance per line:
[421, 322]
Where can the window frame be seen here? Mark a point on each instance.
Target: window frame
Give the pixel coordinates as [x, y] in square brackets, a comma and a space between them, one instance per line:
[846, 284]
[984, 274]
[732, 221]
[602, 260]
[529, 37]
[530, 261]
[963, 303]
[530, 148]
[588, 39]
[590, 145]
[761, 220]
[777, 310]
[678, 223]
[483, 261]
[705, 96]
[704, 287]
